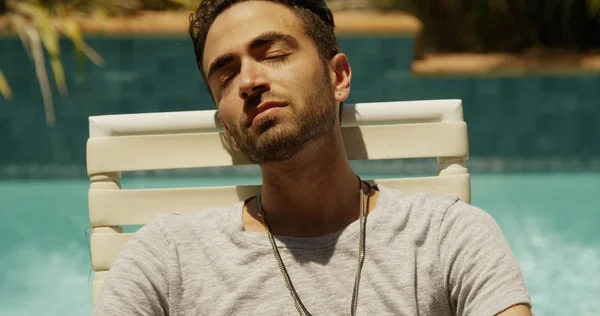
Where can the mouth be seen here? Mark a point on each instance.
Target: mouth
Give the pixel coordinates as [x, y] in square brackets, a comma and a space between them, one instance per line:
[262, 110]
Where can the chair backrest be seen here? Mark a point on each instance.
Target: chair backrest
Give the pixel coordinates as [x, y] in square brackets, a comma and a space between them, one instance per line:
[154, 141]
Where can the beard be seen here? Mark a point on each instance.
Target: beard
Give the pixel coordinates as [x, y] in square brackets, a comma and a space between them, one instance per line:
[275, 139]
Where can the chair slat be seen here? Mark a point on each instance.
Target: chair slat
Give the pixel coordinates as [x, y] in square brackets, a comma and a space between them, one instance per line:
[177, 122]
[138, 207]
[154, 152]
[99, 277]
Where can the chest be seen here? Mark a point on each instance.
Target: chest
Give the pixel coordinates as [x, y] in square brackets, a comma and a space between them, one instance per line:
[400, 280]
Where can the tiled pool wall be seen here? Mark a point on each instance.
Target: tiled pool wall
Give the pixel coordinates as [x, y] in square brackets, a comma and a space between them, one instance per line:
[522, 123]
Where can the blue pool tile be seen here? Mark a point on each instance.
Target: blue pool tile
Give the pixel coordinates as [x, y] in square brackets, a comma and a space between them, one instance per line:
[488, 87]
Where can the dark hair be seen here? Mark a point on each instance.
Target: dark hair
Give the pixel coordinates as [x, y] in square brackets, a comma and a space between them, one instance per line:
[316, 16]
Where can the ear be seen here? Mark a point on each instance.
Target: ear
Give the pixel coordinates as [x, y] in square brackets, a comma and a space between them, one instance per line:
[341, 76]
[231, 140]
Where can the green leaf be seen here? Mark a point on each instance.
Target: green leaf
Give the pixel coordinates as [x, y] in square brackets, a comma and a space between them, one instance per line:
[71, 29]
[50, 39]
[59, 75]
[5, 88]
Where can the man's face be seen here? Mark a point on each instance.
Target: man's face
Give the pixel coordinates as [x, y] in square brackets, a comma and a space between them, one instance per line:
[273, 92]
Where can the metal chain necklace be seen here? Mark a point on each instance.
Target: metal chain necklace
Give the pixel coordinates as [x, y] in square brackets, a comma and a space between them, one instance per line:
[302, 311]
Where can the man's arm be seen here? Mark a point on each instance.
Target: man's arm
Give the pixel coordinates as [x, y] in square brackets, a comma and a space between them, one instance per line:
[481, 272]
[137, 283]
[517, 310]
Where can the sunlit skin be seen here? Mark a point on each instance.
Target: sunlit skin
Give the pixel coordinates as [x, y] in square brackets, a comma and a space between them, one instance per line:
[257, 52]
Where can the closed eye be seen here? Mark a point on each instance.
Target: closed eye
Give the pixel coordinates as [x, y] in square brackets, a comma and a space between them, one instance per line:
[279, 56]
[226, 79]
[273, 57]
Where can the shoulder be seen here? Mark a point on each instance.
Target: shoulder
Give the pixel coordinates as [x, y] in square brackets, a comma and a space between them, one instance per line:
[420, 211]
[204, 221]
[418, 204]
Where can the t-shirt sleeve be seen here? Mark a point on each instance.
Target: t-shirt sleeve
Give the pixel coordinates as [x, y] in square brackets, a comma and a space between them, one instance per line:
[137, 283]
[481, 272]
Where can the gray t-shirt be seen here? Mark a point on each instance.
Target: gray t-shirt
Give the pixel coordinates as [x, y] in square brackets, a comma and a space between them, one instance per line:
[425, 256]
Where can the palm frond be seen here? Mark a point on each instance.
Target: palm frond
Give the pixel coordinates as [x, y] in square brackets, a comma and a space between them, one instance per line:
[40, 69]
[39, 26]
[5, 88]
[70, 28]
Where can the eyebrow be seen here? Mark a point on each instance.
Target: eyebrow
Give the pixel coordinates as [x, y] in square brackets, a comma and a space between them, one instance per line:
[219, 63]
[258, 42]
[271, 37]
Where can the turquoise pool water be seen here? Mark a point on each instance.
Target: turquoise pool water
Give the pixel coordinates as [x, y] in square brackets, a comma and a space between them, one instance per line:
[551, 221]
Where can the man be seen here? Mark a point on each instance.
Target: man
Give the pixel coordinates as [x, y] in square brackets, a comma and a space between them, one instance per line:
[278, 80]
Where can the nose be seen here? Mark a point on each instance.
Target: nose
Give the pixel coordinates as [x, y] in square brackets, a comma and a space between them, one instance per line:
[253, 80]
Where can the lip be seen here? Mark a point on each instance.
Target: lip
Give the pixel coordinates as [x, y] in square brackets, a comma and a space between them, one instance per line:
[264, 106]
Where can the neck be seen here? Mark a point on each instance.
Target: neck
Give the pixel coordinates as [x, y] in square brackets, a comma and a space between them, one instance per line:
[314, 193]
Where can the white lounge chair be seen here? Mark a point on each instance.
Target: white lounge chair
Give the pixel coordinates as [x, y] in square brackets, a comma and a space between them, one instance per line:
[154, 141]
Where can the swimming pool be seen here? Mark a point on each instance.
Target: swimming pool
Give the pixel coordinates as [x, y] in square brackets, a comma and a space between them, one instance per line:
[550, 220]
